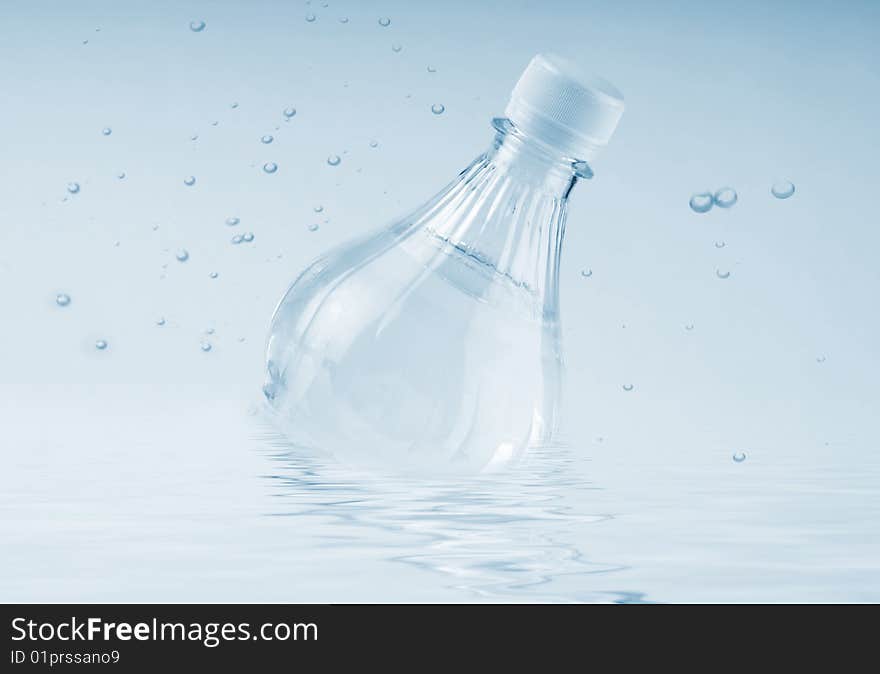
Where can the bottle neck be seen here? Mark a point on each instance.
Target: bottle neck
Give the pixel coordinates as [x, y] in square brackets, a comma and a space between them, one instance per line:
[531, 160]
[506, 212]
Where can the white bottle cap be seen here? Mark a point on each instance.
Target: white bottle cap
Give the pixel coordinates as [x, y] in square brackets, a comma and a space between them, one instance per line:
[559, 105]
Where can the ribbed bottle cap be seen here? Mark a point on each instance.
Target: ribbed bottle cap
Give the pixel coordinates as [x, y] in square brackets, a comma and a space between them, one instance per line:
[558, 104]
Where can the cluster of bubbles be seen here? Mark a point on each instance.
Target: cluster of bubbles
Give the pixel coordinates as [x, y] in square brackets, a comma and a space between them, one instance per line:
[247, 237]
[702, 202]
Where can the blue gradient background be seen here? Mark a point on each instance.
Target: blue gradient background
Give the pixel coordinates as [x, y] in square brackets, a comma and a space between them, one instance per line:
[154, 430]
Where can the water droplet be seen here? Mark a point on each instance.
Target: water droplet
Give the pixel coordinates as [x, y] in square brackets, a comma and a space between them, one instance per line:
[266, 139]
[248, 236]
[384, 22]
[121, 175]
[333, 160]
[701, 202]
[106, 130]
[720, 244]
[343, 19]
[820, 359]
[432, 69]
[197, 26]
[725, 197]
[739, 457]
[289, 112]
[319, 208]
[310, 17]
[438, 108]
[182, 255]
[205, 346]
[586, 273]
[237, 239]
[314, 227]
[213, 274]
[189, 181]
[627, 387]
[374, 143]
[101, 344]
[689, 327]
[782, 189]
[270, 167]
[62, 299]
[396, 47]
[233, 221]
[73, 188]
[722, 274]
[160, 321]
[233, 105]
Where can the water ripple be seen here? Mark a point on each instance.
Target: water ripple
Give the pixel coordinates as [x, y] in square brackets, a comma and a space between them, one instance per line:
[503, 537]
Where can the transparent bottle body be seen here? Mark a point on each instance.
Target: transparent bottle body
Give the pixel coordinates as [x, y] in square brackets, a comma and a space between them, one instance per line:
[434, 344]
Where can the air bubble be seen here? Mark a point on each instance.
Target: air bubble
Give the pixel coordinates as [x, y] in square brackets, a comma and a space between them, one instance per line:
[701, 202]
[182, 255]
[725, 197]
[739, 457]
[62, 299]
[197, 26]
[270, 167]
[782, 189]
[266, 139]
[189, 181]
[333, 160]
[384, 22]
[438, 108]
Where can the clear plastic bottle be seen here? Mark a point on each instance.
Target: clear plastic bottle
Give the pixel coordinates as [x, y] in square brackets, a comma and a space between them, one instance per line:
[435, 344]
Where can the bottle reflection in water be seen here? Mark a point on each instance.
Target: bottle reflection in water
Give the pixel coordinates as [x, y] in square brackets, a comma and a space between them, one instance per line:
[435, 344]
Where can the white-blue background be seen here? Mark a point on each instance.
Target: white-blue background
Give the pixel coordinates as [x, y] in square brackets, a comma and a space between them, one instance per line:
[138, 472]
